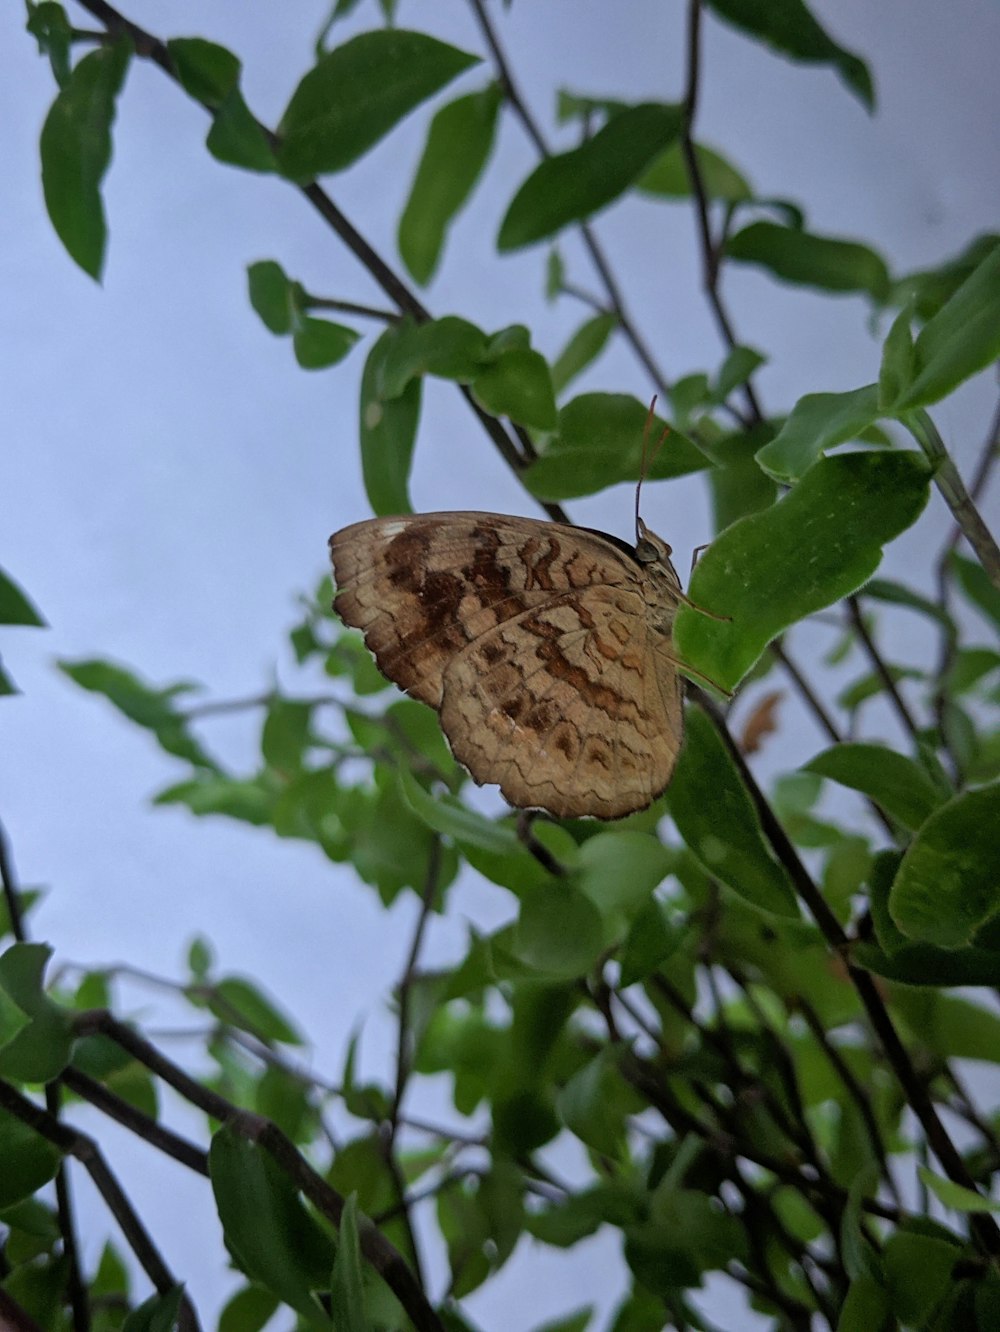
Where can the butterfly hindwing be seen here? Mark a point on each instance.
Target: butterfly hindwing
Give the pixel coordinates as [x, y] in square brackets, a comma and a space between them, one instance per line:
[535, 643]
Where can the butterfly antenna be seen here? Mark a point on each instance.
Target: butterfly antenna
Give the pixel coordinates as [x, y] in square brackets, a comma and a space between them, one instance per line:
[649, 456]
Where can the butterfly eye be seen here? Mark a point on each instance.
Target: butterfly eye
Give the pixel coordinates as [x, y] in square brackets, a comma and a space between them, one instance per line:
[646, 552]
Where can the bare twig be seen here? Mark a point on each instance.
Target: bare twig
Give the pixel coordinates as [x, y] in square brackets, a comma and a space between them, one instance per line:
[904, 714]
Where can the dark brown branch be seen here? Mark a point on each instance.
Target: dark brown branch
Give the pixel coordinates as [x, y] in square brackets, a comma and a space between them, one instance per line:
[11, 896]
[76, 1287]
[906, 718]
[983, 1226]
[710, 255]
[163, 1139]
[616, 300]
[78, 1145]
[383, 1256]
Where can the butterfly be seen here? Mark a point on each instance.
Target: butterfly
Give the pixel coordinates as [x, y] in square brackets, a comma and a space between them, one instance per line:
[545, 649]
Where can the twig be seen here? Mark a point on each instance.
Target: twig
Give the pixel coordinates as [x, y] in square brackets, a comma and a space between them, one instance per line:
[163, 1139]
[383, 1256]
[709, 252]
[949, 482]
[73, 1143]
[615, 299]
[545, 858]
[983, 1225]
[76, 1287]
[881, 669]
[11, 897]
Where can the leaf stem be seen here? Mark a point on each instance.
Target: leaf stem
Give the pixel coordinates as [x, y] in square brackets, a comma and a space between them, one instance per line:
[951, 486]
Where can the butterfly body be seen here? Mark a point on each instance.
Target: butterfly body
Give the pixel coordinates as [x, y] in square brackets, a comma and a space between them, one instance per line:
[545, 648]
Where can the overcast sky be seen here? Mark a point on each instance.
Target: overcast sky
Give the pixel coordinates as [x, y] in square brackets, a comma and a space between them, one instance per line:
[169, 477]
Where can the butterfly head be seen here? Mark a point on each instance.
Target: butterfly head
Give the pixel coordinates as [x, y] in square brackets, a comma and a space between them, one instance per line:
[649, 548]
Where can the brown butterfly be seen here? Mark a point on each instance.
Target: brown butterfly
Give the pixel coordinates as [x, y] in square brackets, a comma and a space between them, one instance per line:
[545, 648]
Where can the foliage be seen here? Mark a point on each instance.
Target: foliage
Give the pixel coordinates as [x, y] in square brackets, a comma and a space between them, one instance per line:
[738, 1004]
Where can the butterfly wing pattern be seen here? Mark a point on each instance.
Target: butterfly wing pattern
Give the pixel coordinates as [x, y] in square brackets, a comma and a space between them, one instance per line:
[545, 648]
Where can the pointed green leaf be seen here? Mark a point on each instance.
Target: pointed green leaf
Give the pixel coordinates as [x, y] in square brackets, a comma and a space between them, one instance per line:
[518, 384]
[599, 442]
[206, 71]
[901, 786]
[237, 139]
[817, 422]
[559, 931]
[789, 28]
[961, 339]
[444, 814]
[15, 608]
[651, 940]
[271, 1236]
[928, 289]
[241, 1003]
[357, 92]
[668, 178]
[450, 348]
[50, 26]
[805, 259]
[272, 295]
[898, 363]
[949, 882]
[458, 147]
[592, 1105]
[817, 544]
[573, 186]
[739, 484]
[347, 1295]
[29, 1161]
[976, 585]
[388, 429]
[584, 347]
[956, 1197]
[157, 1314]
[319, 343]
[716, 818]
[76, 151]
[150, 708]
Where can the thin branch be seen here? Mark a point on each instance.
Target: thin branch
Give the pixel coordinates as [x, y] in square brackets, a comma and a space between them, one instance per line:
[949, 482]
[352, 307]
[906, 717]
[983, 1226]
[710, 255]
[383, 1256]
[76, 1287]
[11, 896]
[809, 696]
[616, 300]
[526, 834]
[73, 1143]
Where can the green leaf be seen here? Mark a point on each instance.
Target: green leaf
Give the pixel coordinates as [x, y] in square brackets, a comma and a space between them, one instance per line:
[583, 348]
[249, 1310]
[592, 1106]
[667, 177]
[650, 941]
[737, 368]
[956, 1197]
[347, 1295]
[599, 442]
[895, 594]
[897, 363]
[152, 709]
[716, 818]
[157, 1314]
[29, 1160]
[445, 814]
[458, 147]
[739, 484]
[268, 1232]
[918, 1273]
[388, 429]
[788, 27]
[76, 151]
[866, 1307]
[285, 734]
[39, 1050]
[559, 931]
[450, 348]
[48, 24]
[817, 422]
[272, 295]
[319, 343]
[817, 544]
[357, 93]
[572, 186]
[805, 259]
[927, 291]
[901, 786]
[977, 586]
[237, 139]
[15, 608]
[960, 340]
[206, 71]
[949, 882]
[518, 384]
[618, 869]
[241, 1003]
[248, 800]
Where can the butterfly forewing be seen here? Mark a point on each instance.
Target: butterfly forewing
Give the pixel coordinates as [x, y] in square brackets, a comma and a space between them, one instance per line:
[544, 647]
